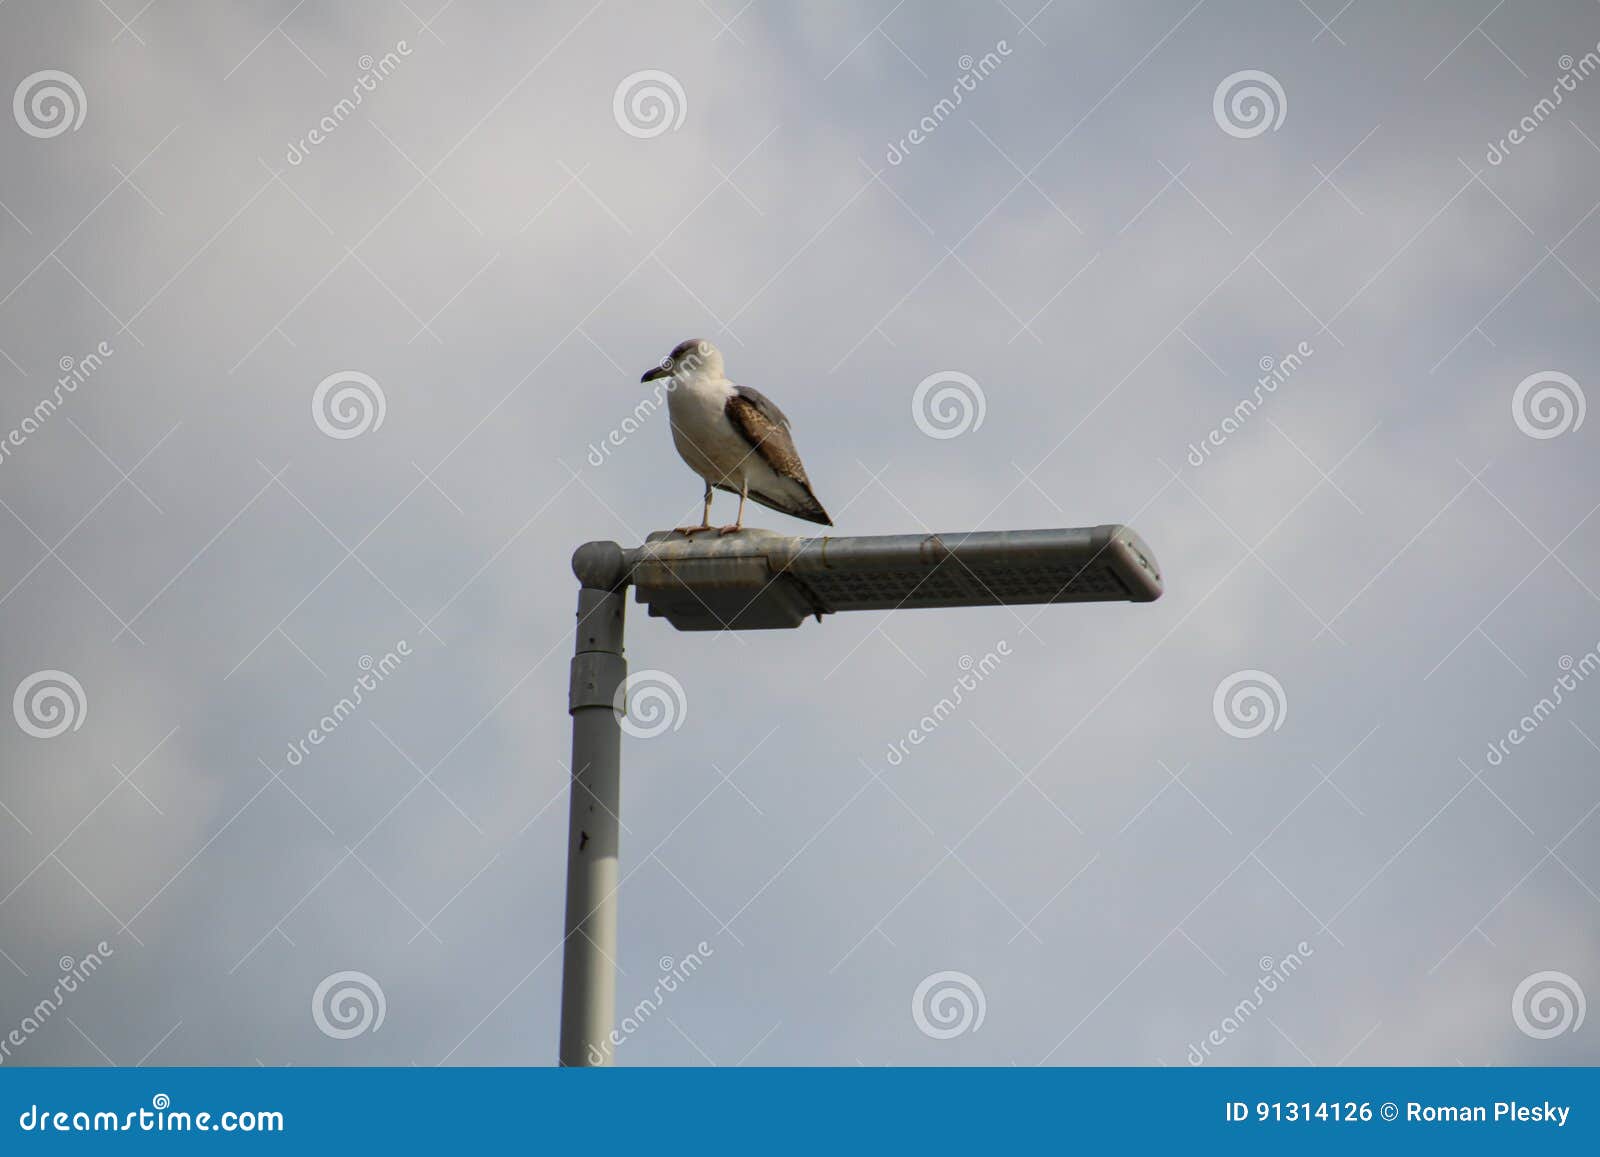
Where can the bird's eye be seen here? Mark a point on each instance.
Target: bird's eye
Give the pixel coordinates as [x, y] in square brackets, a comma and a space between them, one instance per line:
[666, 362]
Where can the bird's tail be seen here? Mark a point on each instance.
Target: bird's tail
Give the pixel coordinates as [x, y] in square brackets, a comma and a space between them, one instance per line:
[803, 504]
[813, 512]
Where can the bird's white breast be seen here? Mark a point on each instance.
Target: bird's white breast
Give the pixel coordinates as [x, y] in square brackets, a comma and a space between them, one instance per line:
[701, 431]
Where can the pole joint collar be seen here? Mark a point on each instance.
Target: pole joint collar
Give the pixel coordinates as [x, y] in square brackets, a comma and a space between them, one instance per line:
[596, 676]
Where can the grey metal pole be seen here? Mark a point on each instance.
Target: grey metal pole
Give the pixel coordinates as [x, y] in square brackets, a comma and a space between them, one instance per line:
[588, 976]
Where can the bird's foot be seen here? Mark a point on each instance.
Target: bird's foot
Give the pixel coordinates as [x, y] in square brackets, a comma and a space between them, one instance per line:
[691, 531]
[721, 530]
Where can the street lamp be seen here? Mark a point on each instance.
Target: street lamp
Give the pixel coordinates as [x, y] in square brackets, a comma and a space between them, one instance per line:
[754, 580]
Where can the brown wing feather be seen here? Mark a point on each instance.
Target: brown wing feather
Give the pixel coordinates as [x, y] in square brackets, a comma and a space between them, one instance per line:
[769, 437]
[766, 428]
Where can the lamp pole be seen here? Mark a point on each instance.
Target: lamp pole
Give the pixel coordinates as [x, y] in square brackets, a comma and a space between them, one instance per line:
[758, 580]
[588, 969]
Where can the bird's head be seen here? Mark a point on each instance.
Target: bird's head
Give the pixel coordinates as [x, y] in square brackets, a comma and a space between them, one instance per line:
[695, 358]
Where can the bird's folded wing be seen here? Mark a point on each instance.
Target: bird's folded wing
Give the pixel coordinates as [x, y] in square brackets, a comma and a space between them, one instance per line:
[766, 428]
[766, 405]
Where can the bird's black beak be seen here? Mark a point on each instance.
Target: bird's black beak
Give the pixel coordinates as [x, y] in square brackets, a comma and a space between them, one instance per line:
[655, 372]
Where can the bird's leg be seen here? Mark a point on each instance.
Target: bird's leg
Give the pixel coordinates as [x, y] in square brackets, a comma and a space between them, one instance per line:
[744, 492]
[705, 518]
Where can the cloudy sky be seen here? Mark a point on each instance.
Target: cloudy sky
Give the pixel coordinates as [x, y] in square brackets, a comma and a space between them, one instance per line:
[1393, 549]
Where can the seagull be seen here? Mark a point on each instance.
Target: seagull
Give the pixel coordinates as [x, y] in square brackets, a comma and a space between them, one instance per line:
[733, 436]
